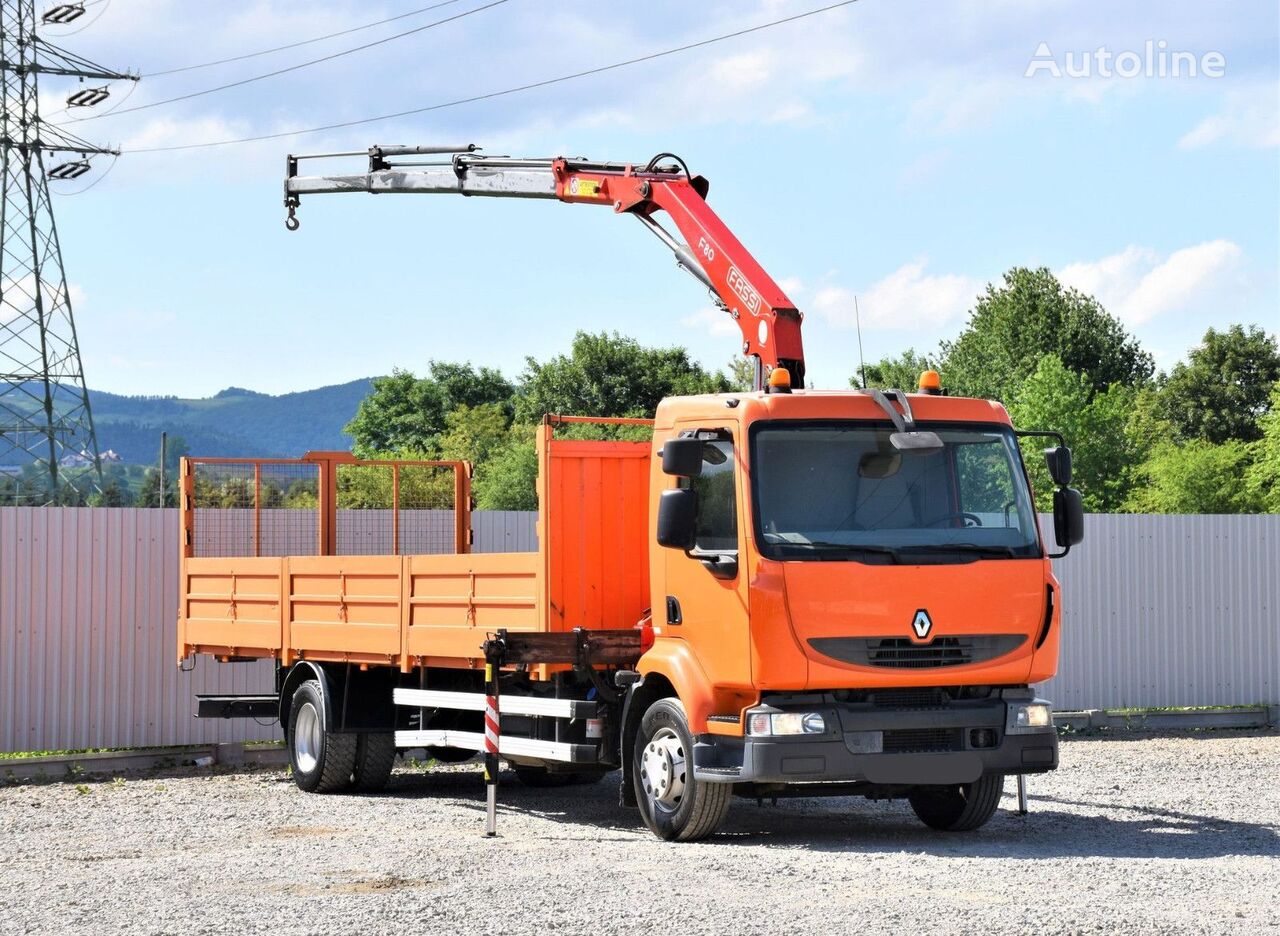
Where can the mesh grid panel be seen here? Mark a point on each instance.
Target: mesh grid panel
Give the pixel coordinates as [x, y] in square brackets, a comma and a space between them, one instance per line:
[365, 510]
[426, 510]
[223, 502]
[286, 523]
[275, 508]
[290, 520]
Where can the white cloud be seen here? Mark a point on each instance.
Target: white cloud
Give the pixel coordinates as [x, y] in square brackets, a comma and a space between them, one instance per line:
[712, 321]
[19, 296]
[742, 72]
[791, 285]
[1249, 119]
[906, 298]
[1139, 285]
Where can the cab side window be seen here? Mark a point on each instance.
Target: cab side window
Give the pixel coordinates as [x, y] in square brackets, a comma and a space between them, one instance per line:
[717, 529]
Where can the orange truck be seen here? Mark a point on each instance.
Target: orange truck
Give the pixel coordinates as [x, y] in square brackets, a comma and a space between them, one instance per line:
[780, 592]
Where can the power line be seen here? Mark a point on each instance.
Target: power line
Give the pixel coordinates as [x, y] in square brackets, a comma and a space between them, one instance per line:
[300, 65]
[302, 42]
[507, 91]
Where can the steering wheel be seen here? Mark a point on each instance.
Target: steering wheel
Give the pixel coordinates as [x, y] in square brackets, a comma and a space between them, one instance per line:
[970, 519]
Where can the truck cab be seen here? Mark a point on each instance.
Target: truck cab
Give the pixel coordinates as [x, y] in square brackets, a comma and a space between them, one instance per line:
[840, 613]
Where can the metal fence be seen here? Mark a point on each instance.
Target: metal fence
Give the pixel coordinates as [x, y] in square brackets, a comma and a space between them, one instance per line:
[1158, 611]
[1170, 611]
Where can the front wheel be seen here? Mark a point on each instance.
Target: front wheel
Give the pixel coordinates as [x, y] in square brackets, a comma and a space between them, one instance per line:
[675, 805]
[322, 761]
[958, 807]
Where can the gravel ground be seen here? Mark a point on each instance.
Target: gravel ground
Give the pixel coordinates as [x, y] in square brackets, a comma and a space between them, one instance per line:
[1134, 834]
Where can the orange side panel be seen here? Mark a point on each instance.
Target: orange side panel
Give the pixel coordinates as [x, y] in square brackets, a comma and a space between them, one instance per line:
[344, 607]
[231, 606]
[596, 510]
[454, 602]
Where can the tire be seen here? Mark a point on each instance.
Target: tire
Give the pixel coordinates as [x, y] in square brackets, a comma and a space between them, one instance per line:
[322, 761]
[542, 778]
[375, 755]
[675, 805]
[958, 808]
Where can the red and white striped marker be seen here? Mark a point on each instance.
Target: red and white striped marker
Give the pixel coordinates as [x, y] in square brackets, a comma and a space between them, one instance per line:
[492, 736]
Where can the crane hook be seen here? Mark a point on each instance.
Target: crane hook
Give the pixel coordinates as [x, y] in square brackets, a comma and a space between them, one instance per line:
[292, 222]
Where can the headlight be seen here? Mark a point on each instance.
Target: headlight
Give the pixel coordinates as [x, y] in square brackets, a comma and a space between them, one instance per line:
[785, 723]
[1025, 717]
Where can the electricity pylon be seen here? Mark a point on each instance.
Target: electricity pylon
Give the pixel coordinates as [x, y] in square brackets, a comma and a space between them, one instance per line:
[45, 418]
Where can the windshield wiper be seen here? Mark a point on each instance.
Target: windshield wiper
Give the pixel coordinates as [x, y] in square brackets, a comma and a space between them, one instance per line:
[842, 548]
[983, 550]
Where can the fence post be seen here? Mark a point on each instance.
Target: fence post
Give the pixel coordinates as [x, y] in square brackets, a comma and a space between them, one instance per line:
[395, 508]
[462, 507]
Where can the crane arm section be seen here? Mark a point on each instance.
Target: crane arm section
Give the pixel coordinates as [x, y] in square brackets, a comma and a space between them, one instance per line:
[769, 321]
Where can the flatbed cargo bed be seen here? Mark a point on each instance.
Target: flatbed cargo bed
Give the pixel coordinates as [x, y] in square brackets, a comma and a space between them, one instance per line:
[275, 571]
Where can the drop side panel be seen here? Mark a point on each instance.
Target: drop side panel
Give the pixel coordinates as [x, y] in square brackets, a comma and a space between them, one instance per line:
[595, 508]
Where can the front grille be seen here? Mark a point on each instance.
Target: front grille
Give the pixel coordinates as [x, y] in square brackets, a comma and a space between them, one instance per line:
[923, 740]
[903, 653]
[922, 698]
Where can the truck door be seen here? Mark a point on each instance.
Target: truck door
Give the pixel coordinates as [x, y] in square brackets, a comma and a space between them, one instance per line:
[706, 600]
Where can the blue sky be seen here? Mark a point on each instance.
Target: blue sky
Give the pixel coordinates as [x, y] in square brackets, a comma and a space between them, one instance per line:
[893, 150]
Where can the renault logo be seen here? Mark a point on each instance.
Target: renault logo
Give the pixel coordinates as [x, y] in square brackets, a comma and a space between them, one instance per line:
[922, 624]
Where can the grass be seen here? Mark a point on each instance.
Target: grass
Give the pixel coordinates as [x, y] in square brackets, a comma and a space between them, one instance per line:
[72, 752]
[24, 755]
[1186, 708]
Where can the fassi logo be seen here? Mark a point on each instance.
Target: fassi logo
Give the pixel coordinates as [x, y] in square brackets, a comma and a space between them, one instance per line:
[744, 291]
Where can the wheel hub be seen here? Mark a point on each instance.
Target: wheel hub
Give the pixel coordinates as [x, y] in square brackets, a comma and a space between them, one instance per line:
[307, 739]
[663, 769]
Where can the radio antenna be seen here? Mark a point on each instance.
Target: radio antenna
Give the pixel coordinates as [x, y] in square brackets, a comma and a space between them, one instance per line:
[862, 362]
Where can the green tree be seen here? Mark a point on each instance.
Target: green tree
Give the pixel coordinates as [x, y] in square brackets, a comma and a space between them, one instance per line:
[149, 492]
[1195, 477]
[402, 412]
[111, 495]
[1262, 478]
[507, 480]
[1223, 389]
[902, 372]
[464, 385]
[1093, 425]
[405, 413]
[742, 374]
[474, 433]
[1013, 326]
[609, 375]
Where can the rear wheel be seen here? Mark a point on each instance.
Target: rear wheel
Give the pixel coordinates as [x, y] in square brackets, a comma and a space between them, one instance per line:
[322, 761]
[675, 805]
[375, 755]
[959, 807]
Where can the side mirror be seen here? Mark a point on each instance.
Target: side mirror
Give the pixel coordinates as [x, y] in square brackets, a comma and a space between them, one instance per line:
[678, 515]
[1068, 517]
[683, 457]
[1058, 459]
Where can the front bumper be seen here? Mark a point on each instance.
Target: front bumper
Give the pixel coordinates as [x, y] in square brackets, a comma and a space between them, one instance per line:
[954, 744]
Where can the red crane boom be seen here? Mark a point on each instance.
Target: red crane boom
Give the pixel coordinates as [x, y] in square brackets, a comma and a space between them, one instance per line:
[769, 321]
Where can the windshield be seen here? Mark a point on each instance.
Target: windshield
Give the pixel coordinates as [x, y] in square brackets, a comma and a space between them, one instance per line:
[841, 491]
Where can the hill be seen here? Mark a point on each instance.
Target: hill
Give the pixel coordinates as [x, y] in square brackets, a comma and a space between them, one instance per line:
[233, 422]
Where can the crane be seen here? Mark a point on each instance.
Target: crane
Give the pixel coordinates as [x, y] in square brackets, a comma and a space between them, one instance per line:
[769, 321]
